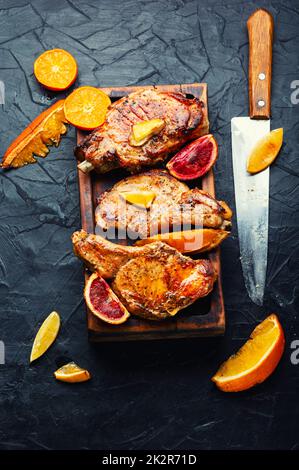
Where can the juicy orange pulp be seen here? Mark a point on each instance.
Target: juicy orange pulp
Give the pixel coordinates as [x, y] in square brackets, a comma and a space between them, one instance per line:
[56, 69]
[256, 359]
[72, 373]
[86, 107]
[265, 151]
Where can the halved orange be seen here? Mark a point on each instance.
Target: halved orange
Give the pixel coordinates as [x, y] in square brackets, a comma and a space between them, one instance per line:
[103, 302]
[189, 241]
[265, 151]
[56, 69]
[86, 107]
[256, 359]
[72, 373]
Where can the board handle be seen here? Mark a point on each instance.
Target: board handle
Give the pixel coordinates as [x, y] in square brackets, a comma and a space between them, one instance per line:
[260, 27]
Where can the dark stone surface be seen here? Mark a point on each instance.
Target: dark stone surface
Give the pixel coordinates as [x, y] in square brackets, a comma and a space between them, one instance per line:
[147, 395]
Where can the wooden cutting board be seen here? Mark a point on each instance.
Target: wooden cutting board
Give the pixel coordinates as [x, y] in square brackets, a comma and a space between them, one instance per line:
[203, 318]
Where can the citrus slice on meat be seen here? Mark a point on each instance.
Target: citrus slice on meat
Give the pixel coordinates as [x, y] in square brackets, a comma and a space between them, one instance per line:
[256, 359]
[102, 301]
[56, 69]
[86, 107]
[72, 373]
[46, 335]
[265, 151]
[195, 159]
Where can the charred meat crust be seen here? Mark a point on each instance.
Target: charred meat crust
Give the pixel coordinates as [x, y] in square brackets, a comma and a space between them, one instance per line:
[154, 281]
[174, 205]
[108, 146]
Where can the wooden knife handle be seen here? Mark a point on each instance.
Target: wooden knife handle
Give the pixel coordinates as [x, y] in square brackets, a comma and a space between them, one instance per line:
[260, 27]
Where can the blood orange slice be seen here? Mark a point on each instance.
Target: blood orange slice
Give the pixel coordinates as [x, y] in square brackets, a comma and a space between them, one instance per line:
[256, 359]
[56, 69]
[102, 301]
[86, 107]
[194, 160]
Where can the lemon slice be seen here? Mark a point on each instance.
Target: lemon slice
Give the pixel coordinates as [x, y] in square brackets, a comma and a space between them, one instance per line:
[46, 335]
[72, 373]
[139, 198]
[265, 151]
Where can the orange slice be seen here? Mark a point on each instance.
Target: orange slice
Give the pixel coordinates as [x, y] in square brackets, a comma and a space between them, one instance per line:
[102, 301]
[189, 241]
[142, 199]
[255, 361]
[46, 335]
[45, 130]
[86, 107]
[72, 373]
[56, 69]
[265, 151]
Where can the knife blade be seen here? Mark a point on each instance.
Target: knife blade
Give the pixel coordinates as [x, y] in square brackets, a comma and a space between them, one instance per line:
[252, 191]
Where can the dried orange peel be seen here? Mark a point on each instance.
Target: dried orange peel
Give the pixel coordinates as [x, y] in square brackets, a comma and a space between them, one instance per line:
[256, 359]
[265, 151]
[189, 241]
[44, 131]
[72, 373]
[56, 69]
[86, 107]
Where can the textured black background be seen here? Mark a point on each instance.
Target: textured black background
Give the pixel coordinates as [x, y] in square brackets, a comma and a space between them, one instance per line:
[155, 394]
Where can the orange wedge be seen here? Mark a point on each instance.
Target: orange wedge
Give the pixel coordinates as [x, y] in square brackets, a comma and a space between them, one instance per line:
[45, 130]
[265, 151]
[72, 373]
[255, 361]
[86, 107]
[189, 241]
[56, 69]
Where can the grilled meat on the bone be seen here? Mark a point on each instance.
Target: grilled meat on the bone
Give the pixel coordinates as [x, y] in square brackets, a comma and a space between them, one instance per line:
[154, 281]
[108, 146]
[174, 205]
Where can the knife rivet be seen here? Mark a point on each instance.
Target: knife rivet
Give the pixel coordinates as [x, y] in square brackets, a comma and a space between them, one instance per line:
[262, 76]
[261, 103]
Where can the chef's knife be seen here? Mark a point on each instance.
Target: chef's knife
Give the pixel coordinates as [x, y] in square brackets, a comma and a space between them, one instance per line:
[252, 191]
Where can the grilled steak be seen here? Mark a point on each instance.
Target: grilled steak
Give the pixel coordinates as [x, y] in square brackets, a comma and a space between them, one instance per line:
[154, 281]
[174, 205]
[108, 146]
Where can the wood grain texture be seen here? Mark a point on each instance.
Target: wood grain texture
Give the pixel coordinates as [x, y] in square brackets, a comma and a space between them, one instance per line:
[205, 317]
[260, 27]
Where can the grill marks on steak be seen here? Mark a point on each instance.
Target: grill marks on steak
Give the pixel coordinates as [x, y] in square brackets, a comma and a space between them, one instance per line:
[108, 146]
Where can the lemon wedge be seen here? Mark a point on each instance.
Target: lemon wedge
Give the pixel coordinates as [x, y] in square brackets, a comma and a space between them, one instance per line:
[142, 131]
[46, 335]
[72, 373]
[265, 151]
[142, 199]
